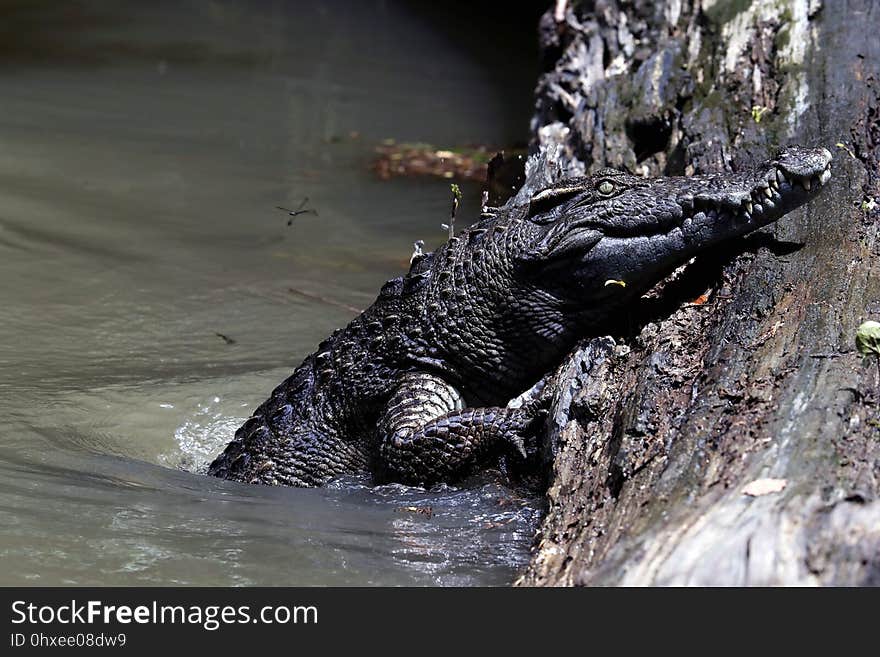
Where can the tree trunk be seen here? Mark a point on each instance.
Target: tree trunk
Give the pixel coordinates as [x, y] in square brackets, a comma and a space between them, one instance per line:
[742, 366]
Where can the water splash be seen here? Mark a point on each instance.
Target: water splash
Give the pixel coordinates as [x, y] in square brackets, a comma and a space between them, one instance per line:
[203, 435]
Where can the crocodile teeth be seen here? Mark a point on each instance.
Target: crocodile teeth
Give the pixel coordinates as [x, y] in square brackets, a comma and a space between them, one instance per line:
[774, 185]
[747, 216]
[759, 208]
[780, 177]
[825, 176]
[748, 206]
[768, 192]
[807, 183]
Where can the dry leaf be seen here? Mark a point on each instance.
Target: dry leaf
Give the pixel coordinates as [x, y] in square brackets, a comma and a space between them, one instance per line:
[764, 487]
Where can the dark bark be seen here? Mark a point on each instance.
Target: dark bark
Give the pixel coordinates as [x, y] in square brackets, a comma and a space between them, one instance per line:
[651, 451]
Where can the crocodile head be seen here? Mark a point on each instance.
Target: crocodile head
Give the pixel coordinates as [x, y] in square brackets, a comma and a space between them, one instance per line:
[611, 235]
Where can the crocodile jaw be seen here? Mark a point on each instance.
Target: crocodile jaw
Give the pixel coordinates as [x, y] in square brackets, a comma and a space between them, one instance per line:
[708, 210]
[759, 199]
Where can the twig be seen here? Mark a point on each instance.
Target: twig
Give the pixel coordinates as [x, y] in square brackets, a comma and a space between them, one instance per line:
[318, 297]
[456, 199]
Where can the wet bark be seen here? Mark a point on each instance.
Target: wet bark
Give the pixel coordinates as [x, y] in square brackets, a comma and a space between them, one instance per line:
[742, 366]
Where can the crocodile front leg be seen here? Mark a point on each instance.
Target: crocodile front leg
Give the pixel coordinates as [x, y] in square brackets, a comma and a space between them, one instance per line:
[427, 435]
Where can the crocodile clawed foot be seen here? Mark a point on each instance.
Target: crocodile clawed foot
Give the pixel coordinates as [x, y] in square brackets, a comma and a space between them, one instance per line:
[517, 445]
[521, 438]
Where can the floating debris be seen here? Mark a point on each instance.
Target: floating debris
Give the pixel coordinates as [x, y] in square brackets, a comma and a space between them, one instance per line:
[225, 338]
[420, 159]
[426, 511]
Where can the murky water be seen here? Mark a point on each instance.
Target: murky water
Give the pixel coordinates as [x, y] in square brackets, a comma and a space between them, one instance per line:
[143, 147]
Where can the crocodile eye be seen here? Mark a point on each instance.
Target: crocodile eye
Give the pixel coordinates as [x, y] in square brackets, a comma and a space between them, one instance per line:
[606, 187]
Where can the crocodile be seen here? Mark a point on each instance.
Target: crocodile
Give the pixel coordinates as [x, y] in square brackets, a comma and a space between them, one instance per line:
[417, 388]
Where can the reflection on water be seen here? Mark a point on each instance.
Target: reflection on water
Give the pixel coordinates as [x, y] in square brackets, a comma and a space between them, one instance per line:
[143, 148]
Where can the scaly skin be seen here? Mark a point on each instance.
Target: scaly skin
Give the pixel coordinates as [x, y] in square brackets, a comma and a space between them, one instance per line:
[415, 389]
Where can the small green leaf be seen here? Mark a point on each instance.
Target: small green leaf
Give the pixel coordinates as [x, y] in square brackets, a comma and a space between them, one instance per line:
[868, 338]
[758, 112]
